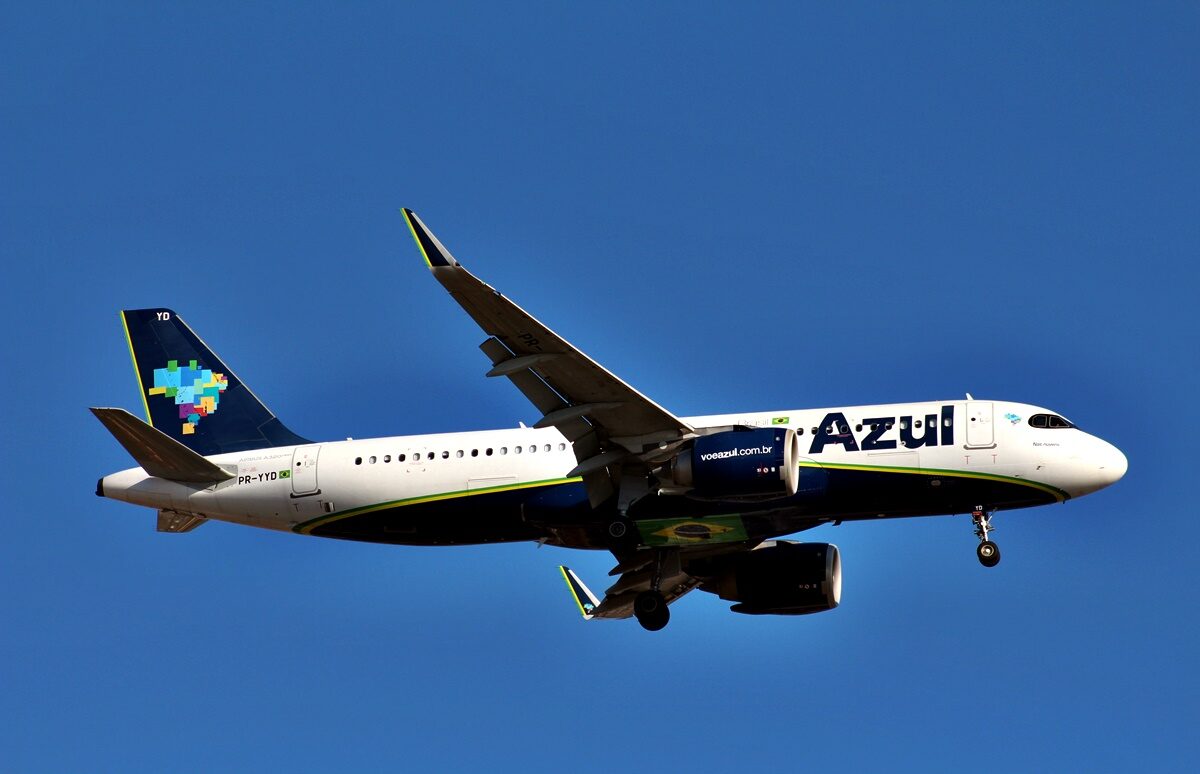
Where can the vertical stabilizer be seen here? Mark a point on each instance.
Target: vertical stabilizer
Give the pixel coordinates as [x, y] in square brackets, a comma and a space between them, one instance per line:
[190, 394]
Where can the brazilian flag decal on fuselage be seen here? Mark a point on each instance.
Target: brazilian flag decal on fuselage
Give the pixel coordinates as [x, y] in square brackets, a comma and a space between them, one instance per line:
[675, 532]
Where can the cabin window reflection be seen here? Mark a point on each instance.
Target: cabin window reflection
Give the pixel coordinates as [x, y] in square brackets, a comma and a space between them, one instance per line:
[372, 459]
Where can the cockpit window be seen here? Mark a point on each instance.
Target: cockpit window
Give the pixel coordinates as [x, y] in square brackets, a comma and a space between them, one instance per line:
[1051, 421]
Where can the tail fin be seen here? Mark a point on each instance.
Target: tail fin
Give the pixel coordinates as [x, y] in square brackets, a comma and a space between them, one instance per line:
[190, 395]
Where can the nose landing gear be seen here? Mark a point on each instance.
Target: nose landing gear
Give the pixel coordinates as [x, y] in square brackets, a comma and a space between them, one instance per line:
[988, 552]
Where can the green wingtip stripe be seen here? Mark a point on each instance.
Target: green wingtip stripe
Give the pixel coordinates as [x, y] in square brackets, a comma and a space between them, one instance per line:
[574, 591]
[413, 230]
[136, 371]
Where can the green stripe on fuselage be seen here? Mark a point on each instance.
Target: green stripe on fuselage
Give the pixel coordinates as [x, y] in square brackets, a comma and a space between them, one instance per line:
[1057, 493]
[308, 526]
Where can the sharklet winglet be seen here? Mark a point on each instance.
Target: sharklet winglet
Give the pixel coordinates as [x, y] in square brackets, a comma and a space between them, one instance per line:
[434, 252]
[584, 598]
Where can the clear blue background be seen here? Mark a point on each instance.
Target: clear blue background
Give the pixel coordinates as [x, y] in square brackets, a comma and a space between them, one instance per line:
[733, 207]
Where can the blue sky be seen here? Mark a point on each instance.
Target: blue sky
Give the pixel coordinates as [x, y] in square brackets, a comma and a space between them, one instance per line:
[775, 206]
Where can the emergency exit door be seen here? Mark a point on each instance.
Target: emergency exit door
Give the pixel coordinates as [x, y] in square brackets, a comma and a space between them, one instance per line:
[304, 470]
[980, 433]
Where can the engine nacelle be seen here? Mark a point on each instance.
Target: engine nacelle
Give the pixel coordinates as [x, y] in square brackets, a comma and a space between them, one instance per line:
[782, 579]
[741, 464]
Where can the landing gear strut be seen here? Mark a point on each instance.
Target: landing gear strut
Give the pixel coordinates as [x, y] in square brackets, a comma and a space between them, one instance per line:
[988, 552]
[650, 606]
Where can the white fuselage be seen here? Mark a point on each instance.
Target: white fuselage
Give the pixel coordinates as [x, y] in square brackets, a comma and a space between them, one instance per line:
[286, 487]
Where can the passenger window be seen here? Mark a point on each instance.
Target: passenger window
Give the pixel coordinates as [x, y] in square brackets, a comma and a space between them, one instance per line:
[547, 448]
[503, 450]
[903, 425]
[429, 456]
[917, 424]
[387, 458]
[533, 448]
[474, 452]
[516, 450]
[372, 460]
[488, 452]
[858, 428]
[459, 453]
[445, 455]
[399, 458]
[358, 460]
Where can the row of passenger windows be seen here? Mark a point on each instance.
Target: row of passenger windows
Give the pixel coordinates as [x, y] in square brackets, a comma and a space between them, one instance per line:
[416, 457]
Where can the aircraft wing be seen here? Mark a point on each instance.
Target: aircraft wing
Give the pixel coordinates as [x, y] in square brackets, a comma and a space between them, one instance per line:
[618, 599]
[609, 423]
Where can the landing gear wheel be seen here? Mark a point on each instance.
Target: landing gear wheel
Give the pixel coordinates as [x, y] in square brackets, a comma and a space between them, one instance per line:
[651, 610]
[988, 553]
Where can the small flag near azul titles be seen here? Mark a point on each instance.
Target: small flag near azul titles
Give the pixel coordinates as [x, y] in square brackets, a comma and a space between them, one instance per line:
[285, 474]
[779, 420]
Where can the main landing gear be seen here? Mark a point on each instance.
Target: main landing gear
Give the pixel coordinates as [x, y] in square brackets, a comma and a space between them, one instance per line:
[988, 552]
[650, 606]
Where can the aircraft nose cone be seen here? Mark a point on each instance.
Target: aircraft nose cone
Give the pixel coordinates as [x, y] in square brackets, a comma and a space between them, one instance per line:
[1114, 465]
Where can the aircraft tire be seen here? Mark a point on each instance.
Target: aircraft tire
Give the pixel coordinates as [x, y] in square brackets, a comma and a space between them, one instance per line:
[988, 553]
[651, 610]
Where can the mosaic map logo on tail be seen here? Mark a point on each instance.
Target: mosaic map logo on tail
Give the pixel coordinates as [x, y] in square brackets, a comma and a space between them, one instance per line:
[195, 390]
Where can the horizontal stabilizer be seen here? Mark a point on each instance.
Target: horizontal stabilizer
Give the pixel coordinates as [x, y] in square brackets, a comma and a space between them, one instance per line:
[584, 598]
[157, 453]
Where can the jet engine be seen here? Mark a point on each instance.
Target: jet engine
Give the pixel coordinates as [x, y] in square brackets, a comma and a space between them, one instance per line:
[782, 578]
[760, 464]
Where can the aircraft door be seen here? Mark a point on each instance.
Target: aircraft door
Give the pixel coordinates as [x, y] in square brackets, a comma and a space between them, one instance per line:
[304, 470]
[980, 433]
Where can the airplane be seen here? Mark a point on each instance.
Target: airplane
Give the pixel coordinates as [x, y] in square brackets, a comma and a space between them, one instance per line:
[682, 503]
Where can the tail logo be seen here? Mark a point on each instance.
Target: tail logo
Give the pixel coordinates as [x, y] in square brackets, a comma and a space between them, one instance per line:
[195, 390]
